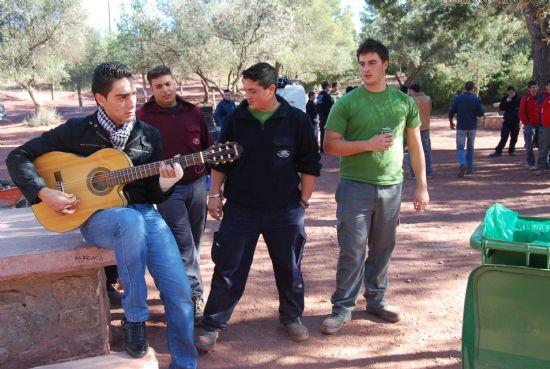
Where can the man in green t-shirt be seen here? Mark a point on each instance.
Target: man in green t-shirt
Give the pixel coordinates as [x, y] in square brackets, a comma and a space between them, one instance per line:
[366, 129]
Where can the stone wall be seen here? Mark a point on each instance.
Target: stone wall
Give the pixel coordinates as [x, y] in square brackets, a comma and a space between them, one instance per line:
[53, 318]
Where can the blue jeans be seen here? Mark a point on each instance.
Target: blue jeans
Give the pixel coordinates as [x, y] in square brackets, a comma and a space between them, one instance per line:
[529, 138]
[233, 251]
[185, 213]
[366, 214]
[465, 137]
[544, 143]
[427, 147]
[140, 238]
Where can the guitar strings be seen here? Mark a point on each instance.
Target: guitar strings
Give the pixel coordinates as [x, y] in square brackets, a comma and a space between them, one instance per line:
[127, 173]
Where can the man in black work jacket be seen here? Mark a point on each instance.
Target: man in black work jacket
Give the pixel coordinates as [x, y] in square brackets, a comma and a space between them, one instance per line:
[267, 192]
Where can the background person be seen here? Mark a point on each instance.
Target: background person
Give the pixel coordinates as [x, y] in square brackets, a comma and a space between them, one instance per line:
[529, 115]
[509, 105]
[224, 107]
[424, 104]
[467, 107]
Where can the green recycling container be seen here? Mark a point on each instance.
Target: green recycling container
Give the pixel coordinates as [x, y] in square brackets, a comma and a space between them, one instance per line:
[506, 321]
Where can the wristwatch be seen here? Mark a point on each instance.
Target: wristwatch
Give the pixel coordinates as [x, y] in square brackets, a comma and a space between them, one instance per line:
[304, 203]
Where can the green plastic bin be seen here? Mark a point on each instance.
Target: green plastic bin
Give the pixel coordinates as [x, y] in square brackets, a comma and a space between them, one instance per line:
[507, 306]
[494, 251]
[506, 318]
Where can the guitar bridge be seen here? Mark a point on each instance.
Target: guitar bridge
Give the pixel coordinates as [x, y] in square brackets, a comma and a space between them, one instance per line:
[59, 181]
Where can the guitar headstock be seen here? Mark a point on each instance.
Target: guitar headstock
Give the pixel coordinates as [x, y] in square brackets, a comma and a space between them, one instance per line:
[222, 153]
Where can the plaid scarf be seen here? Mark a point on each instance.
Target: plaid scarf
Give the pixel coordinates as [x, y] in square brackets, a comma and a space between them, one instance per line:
[118, 136]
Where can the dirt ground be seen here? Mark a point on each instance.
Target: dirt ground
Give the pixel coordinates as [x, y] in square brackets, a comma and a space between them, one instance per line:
[428, 273]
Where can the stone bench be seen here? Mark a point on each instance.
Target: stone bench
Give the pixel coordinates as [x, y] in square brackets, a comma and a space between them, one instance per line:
[53, 303]
[115, 360]
[492, 121]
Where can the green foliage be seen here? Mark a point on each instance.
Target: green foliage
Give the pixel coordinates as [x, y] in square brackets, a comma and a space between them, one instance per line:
[46, 117]
[419, 33]
[80, 71]
[38, 37]
[441, 45]
[319, 42]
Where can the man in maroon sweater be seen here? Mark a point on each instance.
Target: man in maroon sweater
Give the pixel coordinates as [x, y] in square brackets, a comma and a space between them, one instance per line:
[184, 131]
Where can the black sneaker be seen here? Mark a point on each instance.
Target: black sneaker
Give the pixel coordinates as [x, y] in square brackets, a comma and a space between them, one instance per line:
[115, 296]
[198, 302]
[135, 338]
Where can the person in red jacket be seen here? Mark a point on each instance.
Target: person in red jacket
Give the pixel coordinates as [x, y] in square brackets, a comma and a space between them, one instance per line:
[184, 131]
[544, 133]
[529, 115]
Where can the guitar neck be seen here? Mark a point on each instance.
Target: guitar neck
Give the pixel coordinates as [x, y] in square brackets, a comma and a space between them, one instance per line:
[127, 175]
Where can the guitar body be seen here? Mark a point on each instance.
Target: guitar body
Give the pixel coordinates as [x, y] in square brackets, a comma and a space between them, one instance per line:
[83, 177]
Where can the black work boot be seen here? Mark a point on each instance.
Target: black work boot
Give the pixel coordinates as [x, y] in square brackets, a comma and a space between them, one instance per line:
[135, 338]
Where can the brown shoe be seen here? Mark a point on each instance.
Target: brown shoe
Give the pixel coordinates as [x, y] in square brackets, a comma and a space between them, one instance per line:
[334, 322]
[297, 331]
[462, 170]
[387, 312]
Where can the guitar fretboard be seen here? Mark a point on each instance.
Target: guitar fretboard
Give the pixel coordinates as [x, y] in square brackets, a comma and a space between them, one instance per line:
[127, 175]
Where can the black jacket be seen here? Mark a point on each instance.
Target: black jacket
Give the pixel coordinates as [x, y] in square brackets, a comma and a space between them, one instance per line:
[311, 111]
[266, 174]
[510, 109]
[324, 103]
[83, 137]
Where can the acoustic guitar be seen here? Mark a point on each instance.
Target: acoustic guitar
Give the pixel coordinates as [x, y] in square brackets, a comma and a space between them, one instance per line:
[98, 180]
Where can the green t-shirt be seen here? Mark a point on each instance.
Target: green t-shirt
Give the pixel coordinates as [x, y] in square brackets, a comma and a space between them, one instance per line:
[260, 115]
[360, 115]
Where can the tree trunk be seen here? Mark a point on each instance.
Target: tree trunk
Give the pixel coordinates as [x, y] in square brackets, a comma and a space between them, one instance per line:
[413, 72]
[278, 68]
[144, 81]
[205, 88]
[79, 93]
[28, 86]
[541, 48]
[181, 86]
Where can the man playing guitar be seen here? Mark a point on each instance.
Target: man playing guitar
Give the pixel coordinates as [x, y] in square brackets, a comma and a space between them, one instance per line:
[136, 232]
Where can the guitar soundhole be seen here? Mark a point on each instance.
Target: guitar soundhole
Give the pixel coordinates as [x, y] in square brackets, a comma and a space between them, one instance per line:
[98, 182]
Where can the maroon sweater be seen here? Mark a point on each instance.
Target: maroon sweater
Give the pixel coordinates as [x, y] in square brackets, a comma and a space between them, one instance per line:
[183, 132]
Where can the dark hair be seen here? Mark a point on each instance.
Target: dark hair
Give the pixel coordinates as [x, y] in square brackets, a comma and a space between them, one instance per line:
[310, 94]
[158, 71]
[350, 88]
[415, 87]
[105, 75]
[263, 73]
[469, 86]
[324, 84]
[531, 83]
[372, 46]
[510, 88]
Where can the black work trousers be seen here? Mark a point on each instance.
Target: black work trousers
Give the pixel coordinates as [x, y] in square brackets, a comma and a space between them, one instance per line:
[233, 251]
